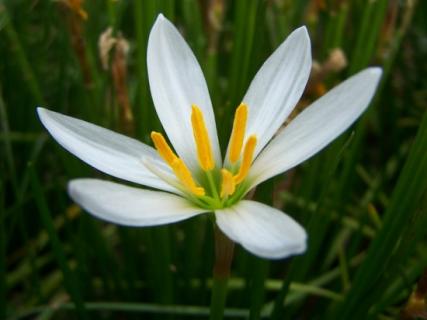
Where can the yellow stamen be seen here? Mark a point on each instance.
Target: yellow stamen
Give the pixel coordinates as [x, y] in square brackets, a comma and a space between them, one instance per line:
[201, 137]
[163, 148]
[247, 159]
[228, 185]
[184, 175]
[178, 166]
[238, 132]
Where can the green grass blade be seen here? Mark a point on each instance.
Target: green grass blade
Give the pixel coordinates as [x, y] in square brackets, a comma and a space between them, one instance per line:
[406, 198]
[3, 304]
[70, 280]
[19, 53]
[142, 308]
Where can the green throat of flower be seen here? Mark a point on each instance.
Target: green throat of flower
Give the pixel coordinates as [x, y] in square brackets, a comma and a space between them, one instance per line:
[214, 188]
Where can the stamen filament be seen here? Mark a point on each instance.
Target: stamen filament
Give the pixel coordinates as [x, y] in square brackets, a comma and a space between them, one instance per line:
[248, 153]
[201, 137]
[238, 132]
[228, 185]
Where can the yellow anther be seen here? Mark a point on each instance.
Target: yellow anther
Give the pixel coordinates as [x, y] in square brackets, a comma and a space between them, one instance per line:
[184, 175]
[238, 132]
[163, 148]
[228, 185]
[247, 159]
[178, 166]
[201, 137]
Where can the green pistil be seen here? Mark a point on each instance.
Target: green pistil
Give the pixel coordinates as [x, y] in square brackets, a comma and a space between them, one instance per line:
[212, 185]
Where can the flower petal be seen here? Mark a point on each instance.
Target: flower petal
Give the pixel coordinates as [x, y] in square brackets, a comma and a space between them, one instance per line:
[176, 83]
[263, 230]
[277, 87]
[129, 206]
[316, 126]
[103, 149]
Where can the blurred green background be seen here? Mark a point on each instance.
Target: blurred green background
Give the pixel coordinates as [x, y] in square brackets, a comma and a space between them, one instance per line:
[362, 200]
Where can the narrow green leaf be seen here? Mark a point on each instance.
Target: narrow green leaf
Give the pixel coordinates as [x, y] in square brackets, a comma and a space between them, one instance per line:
[3, 303]
[405, 201]
[147, 308]
[70, 280]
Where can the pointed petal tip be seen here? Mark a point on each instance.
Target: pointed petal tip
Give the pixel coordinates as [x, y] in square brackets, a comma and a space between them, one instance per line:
[158, 23]
[302, 32]
[160, 18]
[47, 118]
[43, 114]
[371, 74]
[302, 29]
[162, 27]
[375, 71]
[40, 110]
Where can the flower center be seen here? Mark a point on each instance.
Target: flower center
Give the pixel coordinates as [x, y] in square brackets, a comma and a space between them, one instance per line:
[217, 188]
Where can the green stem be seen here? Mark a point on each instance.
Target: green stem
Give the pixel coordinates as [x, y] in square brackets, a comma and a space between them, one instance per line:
[224, 248]
[219, 294]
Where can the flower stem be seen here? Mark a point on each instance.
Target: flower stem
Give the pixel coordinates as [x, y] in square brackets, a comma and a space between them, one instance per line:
[221, 272]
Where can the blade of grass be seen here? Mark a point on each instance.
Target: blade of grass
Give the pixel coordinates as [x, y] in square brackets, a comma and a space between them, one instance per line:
[192, 16]
[134, 308]
[245, 21]
[3, 304]
[167, 7]
[258, 274]
[19, 53]
[401, 286]
[163, 262]
[406, 198]
[316, 228]
[144, 15]
[4, 122]
[19, 220]
[157, 239]
[258, 268]
[71, 283]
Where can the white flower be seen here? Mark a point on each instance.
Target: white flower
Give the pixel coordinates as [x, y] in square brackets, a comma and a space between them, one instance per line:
[193, 178]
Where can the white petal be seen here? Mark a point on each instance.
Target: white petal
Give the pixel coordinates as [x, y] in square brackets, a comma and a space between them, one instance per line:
[177, 82]
[277, 87]
[263, 230]
[316, 126]
[129, 206]
[103, 149]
